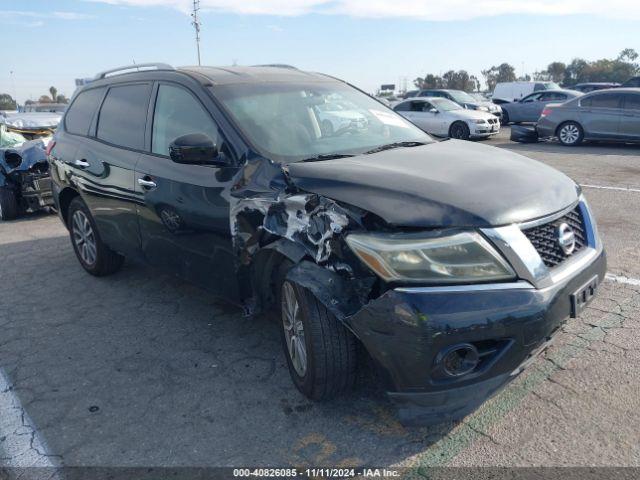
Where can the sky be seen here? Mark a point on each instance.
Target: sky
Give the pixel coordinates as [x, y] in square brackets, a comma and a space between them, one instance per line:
[365, 42]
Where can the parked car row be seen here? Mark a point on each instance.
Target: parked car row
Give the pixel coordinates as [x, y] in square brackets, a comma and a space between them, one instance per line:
[601, 115]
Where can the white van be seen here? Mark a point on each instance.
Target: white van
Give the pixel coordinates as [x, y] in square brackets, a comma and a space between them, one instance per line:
[513, 91]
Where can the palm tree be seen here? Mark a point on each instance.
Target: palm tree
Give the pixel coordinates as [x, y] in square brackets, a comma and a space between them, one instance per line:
[54, 93]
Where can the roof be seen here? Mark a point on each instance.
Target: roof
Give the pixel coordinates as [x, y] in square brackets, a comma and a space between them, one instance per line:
[597, 83]
[257, 74]
[616, 90]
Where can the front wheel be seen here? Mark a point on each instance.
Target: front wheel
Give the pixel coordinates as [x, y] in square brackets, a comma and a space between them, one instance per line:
[93, 254]
[570, 134]
[320, 351]
[459, 131]
[8, 204]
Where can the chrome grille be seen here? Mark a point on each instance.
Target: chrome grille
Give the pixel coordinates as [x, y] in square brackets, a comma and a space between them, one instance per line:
[544, 237]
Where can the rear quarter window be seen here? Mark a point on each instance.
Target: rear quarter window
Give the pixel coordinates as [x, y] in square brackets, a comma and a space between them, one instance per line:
[123, 115]
[80, 114]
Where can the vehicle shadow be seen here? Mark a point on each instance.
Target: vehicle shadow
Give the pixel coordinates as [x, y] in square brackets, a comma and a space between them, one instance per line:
[30, 216]
[142, 369]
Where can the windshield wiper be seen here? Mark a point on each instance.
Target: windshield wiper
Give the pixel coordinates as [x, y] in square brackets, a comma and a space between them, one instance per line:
[389, 146]
[327, 156]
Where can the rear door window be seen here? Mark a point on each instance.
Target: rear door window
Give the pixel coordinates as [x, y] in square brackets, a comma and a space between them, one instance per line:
[531, 98]
[80, 114]
[179, 113]
[545, 97]
[123, 115]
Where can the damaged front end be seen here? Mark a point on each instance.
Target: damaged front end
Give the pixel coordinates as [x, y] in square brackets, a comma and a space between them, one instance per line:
[308, 230]
[440, 349]
[24, 178]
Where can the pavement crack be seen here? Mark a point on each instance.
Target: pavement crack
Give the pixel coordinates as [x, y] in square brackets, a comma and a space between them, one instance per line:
[482, 434]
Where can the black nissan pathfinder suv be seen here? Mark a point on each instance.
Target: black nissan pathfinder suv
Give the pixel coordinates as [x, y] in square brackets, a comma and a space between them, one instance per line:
[452, 263]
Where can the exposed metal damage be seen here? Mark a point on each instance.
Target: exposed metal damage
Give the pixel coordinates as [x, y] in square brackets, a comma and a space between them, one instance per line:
[309, 230]
[24, 174]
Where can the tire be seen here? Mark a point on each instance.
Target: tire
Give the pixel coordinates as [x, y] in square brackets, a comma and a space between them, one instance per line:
[94, 256]
[459, 131]
[504, 120]
[570, 134]
[330, 349]
[9, 209]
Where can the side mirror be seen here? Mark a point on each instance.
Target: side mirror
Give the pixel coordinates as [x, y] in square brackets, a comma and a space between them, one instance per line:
[195, 149]
[433, 110]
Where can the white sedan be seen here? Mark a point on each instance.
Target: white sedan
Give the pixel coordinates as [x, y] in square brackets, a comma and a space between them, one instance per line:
[444, 118]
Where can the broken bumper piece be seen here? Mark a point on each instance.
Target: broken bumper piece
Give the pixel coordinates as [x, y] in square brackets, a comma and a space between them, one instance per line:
[524, 134]
[445, 350]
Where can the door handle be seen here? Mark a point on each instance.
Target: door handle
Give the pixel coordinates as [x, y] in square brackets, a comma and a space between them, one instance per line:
[82, 163]
[146, 183]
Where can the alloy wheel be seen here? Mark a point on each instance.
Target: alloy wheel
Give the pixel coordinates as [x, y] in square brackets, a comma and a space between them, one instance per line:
[569, 134]
[294, 329]
[84, 237]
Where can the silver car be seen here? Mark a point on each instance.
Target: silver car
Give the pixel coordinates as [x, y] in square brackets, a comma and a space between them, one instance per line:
[612, 115]
[444, 118]
[530, 107]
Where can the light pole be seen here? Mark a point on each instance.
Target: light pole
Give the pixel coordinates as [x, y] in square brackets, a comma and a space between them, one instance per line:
[196, 24]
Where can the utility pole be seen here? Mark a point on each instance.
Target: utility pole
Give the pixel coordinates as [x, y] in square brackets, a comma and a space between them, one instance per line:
[196, 25]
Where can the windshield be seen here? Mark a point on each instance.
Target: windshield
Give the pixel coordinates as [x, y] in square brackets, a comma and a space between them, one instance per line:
[462, 97]
[480, 97]
[293, 121]
[445, 105]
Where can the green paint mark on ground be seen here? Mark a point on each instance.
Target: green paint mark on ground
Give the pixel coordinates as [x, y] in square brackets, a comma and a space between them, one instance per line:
[445, 450]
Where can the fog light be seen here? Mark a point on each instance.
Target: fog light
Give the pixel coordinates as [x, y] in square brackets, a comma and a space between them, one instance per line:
[460, 359]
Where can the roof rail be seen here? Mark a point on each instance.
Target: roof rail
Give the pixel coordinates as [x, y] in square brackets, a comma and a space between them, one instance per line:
[277, 65]
[135, 67]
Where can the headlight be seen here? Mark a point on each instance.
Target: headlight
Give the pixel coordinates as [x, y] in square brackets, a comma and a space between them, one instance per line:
[482, 109]
[480, 120]
[457, 258]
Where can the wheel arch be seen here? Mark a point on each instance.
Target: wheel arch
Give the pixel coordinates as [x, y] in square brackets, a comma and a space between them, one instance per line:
[65, 197]
[457, 122]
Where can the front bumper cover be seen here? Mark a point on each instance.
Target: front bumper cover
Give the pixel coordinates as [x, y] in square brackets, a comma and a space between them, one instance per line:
[408, 330]
[405, 329]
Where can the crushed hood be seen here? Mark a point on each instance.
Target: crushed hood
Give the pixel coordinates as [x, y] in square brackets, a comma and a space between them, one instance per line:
[444, 184]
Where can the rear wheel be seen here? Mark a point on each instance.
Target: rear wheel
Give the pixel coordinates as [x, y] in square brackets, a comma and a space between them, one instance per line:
[570, 134]
[8, 204]
[320, 351]
[459, 130]
[94, 256]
